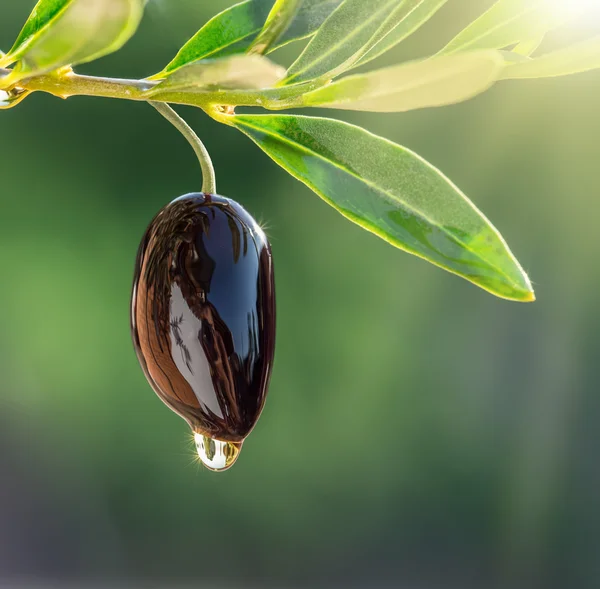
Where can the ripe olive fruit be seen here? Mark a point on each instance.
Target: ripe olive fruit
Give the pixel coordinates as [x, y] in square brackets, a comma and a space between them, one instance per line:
[203, 319]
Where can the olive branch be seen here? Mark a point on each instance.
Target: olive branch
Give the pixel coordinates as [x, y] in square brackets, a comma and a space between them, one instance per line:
[379, 185]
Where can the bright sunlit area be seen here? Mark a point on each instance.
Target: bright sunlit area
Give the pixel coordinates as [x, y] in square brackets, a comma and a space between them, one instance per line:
[574, 8]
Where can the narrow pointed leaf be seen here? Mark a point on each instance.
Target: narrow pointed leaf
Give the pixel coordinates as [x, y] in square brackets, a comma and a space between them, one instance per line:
[574, 59]
[233, 31]
[436, 81]
[228, 33]
[43, 14]
[342, 40]
[511, 21]
[61, 34]
[414, 14]
[236, 71]
[278, 21]
[393, 193]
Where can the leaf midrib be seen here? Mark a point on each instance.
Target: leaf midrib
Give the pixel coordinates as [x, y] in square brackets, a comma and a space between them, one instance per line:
[169, 70]
[391, 197]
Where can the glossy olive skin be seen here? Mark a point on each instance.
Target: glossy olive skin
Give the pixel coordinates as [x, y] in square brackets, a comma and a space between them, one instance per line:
[203, 313]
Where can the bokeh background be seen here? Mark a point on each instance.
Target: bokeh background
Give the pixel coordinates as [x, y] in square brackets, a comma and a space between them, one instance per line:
[419, 432]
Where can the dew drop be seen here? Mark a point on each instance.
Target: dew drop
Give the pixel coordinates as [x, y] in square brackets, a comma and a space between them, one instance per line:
[12, 97]
[215, 454]
[4, 98]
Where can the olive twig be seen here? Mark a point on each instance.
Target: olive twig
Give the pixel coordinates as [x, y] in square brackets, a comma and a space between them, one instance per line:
[65, 85]
[209, 182]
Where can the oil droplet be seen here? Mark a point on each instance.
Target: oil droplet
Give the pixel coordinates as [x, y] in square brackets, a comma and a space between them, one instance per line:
[12, 97]
[215, 454]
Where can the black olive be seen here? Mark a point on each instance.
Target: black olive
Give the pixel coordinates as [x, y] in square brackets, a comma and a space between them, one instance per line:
[203, 318]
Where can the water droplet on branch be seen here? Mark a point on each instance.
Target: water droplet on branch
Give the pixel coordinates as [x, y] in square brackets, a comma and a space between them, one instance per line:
[10, 98]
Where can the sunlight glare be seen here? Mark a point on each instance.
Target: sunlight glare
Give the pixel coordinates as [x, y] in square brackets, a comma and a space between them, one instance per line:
[575, 8]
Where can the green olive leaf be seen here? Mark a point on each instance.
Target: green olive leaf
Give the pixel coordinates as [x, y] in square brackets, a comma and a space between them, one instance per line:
[64, 33]
[233, 31]
[343, 39]
[278, 21]
[409, 17]
[236, 72]
[436, 81]
[228, 33]
[359, 32]
[580, 57]
[512, 21]
[42, 15]
[391, 192]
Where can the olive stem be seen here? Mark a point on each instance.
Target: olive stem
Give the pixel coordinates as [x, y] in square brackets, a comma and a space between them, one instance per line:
[209, 182]
[70, 84]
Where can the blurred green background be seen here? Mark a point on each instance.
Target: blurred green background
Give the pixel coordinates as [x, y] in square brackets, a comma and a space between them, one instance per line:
[419, 433]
